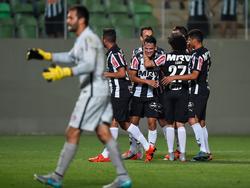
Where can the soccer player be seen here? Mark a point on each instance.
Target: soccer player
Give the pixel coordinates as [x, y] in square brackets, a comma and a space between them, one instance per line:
[176, 94]
[199, 91]
[135, 151]
[119, 83]
[120, 95]
[145, 84]
[93, 110]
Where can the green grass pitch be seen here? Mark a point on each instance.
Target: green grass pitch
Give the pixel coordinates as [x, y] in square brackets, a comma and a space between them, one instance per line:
[22, 156]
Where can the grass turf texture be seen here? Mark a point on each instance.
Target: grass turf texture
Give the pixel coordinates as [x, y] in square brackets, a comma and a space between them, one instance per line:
[22, 156]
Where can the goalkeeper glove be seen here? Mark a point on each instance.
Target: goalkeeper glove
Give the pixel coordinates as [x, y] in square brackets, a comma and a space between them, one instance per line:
[37, 53]
[56, 72]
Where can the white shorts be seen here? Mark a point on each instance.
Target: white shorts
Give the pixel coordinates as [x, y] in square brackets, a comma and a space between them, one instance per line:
[89, 112]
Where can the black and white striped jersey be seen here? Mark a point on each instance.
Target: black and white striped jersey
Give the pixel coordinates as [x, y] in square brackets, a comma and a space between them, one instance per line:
[200, 61]
[115, 59]
[137, 64]
[177, 63]
[53, 8]
[197, 8]
[229, 7]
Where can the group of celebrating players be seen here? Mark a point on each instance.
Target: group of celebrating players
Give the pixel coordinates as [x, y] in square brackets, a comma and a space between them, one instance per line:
[169, 88]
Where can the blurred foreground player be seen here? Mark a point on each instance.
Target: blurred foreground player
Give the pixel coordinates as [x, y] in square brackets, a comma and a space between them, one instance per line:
[93, 110]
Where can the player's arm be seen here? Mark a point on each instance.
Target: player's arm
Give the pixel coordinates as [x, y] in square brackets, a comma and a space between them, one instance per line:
[197, 63]
[134, 78]
[121, 73]
[40, 54]
[168, 79]
[157, 61]
[87, 58]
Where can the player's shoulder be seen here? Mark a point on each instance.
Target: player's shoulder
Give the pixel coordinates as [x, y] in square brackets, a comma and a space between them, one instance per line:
[91, 38]
[136, 50]
[138, 55]
[160, 50]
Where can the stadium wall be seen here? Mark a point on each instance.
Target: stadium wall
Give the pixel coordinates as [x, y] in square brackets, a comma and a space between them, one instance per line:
[29, 105]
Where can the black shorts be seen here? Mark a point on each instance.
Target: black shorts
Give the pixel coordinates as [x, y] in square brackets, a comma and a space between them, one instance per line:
[143, 108]
[54, 25]
[199, 22]
[197, 106]
[120, 108]
[228, 17]
[175, 105]
[161, 101]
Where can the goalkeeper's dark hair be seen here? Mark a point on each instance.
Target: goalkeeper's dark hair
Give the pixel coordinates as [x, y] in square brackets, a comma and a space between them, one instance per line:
[178, 42]
[146, 28]
[196, 34]
[183, 30]
[81, 11]
[150, 39]
[109, 34]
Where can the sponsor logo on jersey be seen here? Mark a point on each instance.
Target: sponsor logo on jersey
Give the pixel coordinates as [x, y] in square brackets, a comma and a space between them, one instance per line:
[174, 57]
[147, 74]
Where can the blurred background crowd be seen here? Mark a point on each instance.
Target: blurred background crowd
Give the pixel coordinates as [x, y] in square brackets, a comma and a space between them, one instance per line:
[46, 18]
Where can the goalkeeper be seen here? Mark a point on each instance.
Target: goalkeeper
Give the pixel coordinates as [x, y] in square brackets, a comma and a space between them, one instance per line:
[93, 110]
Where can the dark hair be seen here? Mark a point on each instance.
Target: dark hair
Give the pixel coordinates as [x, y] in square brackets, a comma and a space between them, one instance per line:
[146, 28]
[181, 29]
[109, 34]
[177, 41]
[81, 11]
[196, 34]
[150, 39]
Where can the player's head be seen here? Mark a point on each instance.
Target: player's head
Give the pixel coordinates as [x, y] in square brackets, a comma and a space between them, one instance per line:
[180, 29]
[77, 18]
[108, 37]
[149, 46]
[145, 32]
[195, 38]
[177, 41]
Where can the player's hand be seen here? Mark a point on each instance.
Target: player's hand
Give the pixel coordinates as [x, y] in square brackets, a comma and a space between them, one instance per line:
[56, 72]
[106, 74]
[166, 80]
[153, 83]
[37, 53]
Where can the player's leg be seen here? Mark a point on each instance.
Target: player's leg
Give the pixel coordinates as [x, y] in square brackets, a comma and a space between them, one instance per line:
[136, 112]
[203, 125]
[104, 156]
[152, 132]
[67, 154]
[122, 180]
[194, 110]
[182, 140]
[70, 147]
[180, 118]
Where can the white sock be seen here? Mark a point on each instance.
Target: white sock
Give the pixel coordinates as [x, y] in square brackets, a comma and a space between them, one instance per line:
[199, 136]
[105, 153]
[133, 143]
[136, 133]
[205, 134]
[152, 136]
[177, 138]
[170, 139]
[182, 139]
[164, 130]
[114, 132]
